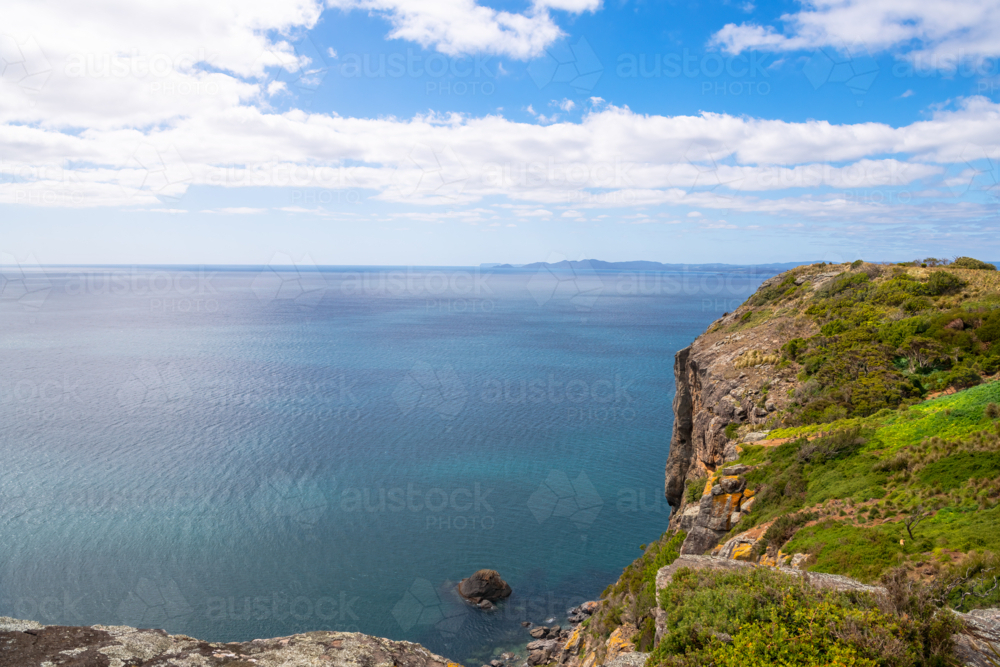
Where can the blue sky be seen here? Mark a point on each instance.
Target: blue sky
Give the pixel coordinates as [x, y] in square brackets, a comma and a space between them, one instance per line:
[460, 132]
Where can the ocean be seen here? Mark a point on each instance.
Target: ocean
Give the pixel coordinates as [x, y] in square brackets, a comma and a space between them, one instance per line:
[233, 453]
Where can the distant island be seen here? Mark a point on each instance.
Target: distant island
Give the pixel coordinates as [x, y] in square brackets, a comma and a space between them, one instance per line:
[640, 265]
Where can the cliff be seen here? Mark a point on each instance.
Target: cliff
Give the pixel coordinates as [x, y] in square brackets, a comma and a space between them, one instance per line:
[812, 346]
[29, 644]
[836, 456]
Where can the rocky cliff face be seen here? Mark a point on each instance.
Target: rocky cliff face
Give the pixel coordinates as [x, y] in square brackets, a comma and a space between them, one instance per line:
[29, 644]
[729, 377]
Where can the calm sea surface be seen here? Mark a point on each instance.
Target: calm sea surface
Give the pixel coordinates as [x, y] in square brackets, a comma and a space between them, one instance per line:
[236, 453]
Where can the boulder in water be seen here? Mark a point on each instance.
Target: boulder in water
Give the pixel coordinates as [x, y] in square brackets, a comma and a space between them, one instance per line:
[484, 585]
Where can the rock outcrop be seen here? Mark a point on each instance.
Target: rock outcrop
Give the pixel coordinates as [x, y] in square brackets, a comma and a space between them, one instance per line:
[834, 582]
[982, 630]
[29, 644]
[728, 377]
[484, 586]
[554, 644]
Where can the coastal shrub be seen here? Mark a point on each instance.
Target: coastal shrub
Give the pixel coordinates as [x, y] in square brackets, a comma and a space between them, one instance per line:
[771, 293]
[886, 338]
[989, 332]
[972, 583]
[970, 263]
[793, 347]
[943, 282]
[961, 378]
[829, 447]
[761, 617]
[732, 430]
[694, 488]
[931, 627]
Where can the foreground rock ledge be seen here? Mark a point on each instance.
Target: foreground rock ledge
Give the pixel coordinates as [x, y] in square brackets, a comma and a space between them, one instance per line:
[30, 644]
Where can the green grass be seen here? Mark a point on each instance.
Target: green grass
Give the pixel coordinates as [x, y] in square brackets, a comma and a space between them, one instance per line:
[865, 552]
[841, 548]
[942, 456]
[963, 528]
[956, 470]
[952, 416]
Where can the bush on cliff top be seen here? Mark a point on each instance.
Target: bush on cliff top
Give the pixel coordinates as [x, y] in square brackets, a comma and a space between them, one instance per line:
[970, 263]
[887, 337]
[760, 617]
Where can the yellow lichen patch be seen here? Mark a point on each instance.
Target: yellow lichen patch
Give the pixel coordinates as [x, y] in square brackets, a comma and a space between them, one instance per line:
[781, 559]
[709, 483]
[589, 660]
[748, 493]
[724, 504]
[619, 642]
[573, 642]
[742, 551]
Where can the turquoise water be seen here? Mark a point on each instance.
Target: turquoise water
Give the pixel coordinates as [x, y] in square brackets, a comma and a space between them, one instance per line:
[234, 454]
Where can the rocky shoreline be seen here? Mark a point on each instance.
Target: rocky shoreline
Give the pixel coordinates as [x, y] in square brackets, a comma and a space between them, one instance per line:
[30, 644]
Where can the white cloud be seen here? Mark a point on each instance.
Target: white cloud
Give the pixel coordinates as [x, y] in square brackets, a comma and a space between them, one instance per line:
[460, 27]
[938, 31]
[572, 6]
[81, 139]
[459, 160]
[143, 63]
[237, 210]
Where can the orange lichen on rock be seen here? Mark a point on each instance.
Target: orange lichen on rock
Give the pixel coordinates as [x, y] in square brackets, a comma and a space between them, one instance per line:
[743, 551]
[620, 642]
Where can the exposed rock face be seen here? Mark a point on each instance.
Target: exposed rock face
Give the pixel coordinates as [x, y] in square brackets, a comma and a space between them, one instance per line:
[716, 387]
[484, 585]
[29, 644]
[982, 627]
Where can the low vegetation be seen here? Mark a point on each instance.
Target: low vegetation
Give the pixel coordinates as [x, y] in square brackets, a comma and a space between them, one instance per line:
[864, 495]
[632, 598]
[759, 617]
[887, 335]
